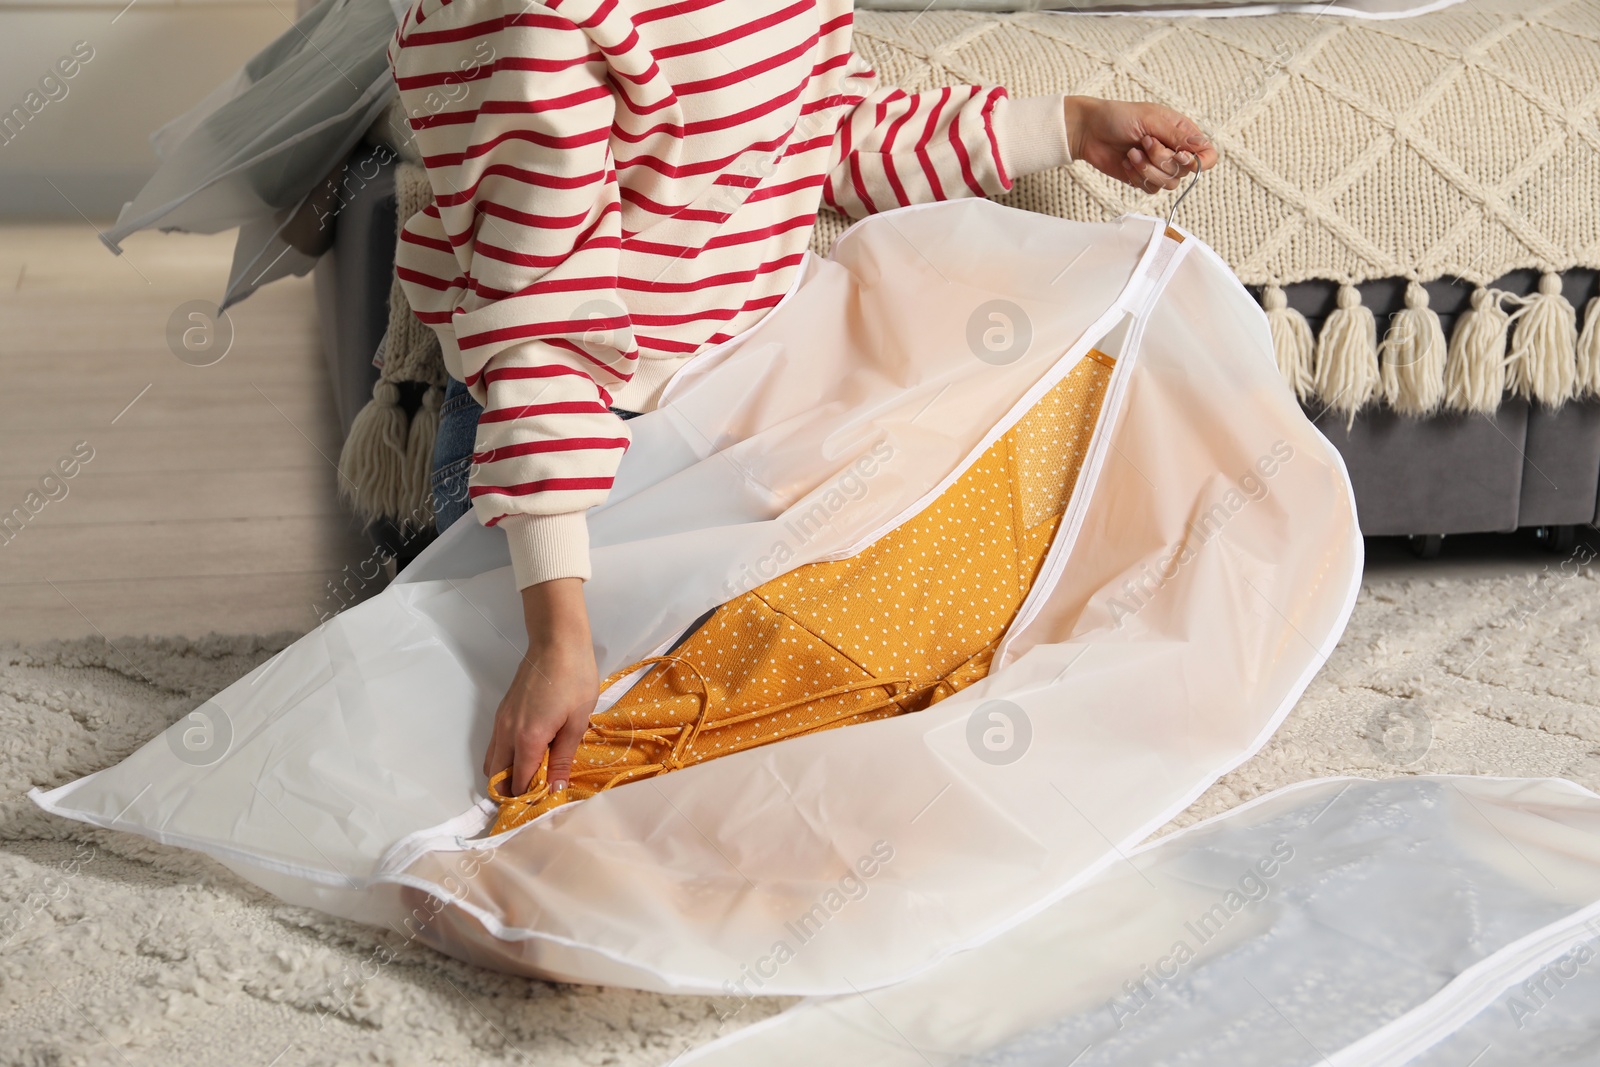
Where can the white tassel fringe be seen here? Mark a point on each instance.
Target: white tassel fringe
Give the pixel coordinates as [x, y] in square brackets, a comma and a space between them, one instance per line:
[1413, 355]
[1543, 362]
[1347, 374]
[372, 462]
[1475, 370]
[1291, 341]
[1588, 383]
[419, 460]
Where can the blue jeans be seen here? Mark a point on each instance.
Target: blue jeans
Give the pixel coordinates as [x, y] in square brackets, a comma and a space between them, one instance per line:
[452, 453]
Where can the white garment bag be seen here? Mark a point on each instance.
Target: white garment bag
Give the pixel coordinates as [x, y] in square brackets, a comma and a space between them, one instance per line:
[1203, 569]
[1339, 922]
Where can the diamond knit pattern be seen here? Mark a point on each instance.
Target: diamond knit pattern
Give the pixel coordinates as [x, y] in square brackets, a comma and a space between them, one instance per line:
[1455, 144]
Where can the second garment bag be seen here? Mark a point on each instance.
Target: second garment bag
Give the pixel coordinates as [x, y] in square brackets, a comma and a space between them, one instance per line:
[1440, 921]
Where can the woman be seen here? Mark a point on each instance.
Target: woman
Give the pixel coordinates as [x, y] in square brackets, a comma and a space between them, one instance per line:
[626, 183]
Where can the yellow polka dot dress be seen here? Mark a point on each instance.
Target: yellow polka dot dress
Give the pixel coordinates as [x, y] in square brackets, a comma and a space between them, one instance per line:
[911, 619]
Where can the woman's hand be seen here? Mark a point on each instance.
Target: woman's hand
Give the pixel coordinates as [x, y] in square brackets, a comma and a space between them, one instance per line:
[1146, 145]
[553, 694]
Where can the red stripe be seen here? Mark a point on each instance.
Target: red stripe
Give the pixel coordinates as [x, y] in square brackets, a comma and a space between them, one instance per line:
[535, 448]
[518, 374]
[456, 77]
[512, 107]
[542, 485]
[722, 81]
[560, 407]
[427, 281]
[528, 259]
[706, 166]
[831, 63]
[534, 137]
[483, 29]
[522, 218]
[928, 170]
[996, 94]
[517, 174]
[711, 281]
[852, 165]
[624, 374]
[743, 237]
[584, 240]
[767, 21]
[434, 243]
[713, 315]
[888, 149]
[961, 153]
[785, 188]
[673, 10]
[589, 284]
[663, 344]
[725, 122]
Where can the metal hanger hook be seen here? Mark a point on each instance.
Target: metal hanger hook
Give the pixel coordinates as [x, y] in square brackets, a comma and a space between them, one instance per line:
[1172, 213]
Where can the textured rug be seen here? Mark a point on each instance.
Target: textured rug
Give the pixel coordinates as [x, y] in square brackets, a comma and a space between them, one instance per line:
[114, 950]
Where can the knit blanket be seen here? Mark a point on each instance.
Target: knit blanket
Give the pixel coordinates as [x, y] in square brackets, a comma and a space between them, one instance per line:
[1454, 144]
[1457, 143]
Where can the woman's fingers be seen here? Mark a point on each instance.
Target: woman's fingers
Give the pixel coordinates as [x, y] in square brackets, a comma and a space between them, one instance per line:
[1149, 176]
[563, 750]
[527, 759]
[1172, 163]
[1167, 132]
[498, 756]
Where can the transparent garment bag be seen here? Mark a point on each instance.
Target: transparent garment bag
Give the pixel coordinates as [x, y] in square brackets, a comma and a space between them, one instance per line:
[1549, 1014]
[1339, 922]
[1203, 568]
[249, 153]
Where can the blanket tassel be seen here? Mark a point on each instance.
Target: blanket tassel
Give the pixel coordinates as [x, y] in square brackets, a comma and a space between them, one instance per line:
[1543, 361]
[1589, 351]
[419, 459]
[1291, 341]
[1475, 370]
[372, 462]
[1346, 374]
[1413, 355]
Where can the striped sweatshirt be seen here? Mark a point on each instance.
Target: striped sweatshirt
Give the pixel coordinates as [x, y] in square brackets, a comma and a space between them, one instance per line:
[619, 184]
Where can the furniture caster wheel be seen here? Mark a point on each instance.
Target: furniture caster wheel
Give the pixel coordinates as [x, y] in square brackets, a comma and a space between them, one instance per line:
[1426, 546]
[1557, 538]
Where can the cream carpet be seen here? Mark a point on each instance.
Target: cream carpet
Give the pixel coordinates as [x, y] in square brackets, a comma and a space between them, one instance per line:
[117, 951]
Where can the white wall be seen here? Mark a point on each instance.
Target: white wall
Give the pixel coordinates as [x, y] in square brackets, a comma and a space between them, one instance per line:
[151, 61]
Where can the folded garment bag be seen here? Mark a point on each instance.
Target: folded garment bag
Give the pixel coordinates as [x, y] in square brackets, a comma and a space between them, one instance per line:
[1032, 489]
[1336, 922]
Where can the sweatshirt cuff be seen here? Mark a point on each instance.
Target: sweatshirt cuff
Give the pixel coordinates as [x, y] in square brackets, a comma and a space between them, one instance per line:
[546, 547]
[1032, 134]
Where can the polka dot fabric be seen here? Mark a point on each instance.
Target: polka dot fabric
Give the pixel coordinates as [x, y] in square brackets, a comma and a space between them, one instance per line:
[911, 619]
